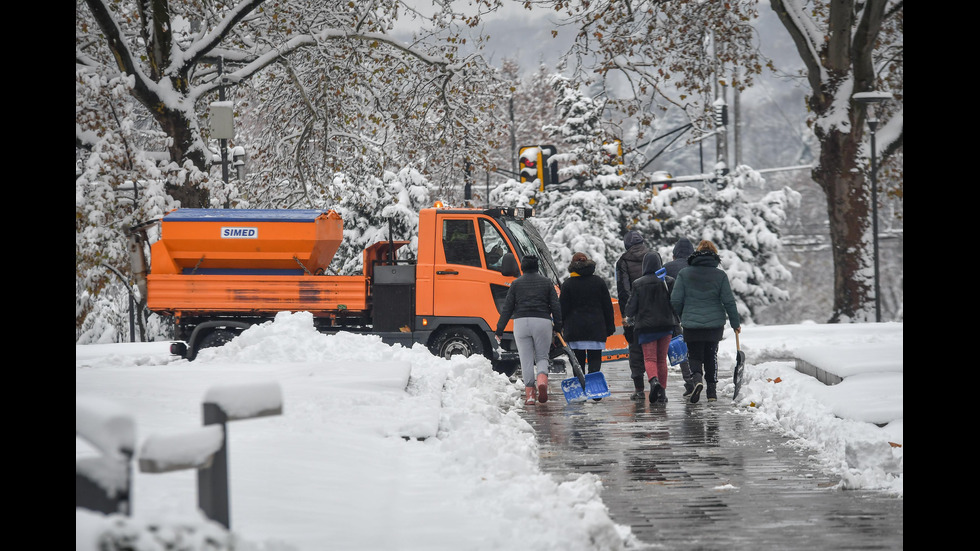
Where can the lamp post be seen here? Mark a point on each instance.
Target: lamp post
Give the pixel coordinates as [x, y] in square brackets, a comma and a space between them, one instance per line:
[869, 100]
[239, 155]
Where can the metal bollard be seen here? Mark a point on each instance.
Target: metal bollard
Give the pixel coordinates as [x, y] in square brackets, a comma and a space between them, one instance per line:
[212, 482]
[102, 482]
[223, 404]
[91, 491]
[209, 443]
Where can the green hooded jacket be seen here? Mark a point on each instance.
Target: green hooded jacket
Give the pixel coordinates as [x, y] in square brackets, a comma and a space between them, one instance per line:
[702, 294]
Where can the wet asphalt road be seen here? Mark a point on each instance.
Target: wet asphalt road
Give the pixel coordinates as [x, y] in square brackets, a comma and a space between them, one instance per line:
[704, 476]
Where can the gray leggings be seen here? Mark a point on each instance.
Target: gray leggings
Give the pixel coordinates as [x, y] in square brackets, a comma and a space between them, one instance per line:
[534, 337]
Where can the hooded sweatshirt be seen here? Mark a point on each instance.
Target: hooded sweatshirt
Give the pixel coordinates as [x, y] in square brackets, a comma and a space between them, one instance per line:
[682, 249]
[649, 305]
[629, 267]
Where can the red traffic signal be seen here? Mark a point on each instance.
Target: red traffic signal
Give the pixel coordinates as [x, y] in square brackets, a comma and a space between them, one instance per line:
[532, 165]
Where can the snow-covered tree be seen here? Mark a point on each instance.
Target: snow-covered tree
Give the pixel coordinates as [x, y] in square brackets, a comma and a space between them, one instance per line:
[367, 208]
[649, 55]
[345, 81]
[577, 214]
[117, 186]
[745, 232]
[514, 193]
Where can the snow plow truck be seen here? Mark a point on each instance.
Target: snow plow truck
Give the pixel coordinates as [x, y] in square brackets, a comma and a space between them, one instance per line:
[216, 272]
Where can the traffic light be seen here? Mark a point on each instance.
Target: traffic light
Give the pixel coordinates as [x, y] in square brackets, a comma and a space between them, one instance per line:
[467, 179]
[532, 164]
[550, 167]
[614, 152]
[662, 180]
[721, 175]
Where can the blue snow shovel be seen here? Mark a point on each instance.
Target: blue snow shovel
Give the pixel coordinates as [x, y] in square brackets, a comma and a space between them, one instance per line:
[582, 387]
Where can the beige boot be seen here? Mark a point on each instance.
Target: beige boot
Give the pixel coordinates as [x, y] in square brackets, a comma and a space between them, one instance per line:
[529, 395]
[542, 387]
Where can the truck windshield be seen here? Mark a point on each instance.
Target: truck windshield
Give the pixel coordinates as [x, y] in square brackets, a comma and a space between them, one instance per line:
[529, 242]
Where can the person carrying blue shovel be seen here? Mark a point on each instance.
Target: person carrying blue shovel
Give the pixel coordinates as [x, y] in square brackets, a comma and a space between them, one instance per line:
[653, 320]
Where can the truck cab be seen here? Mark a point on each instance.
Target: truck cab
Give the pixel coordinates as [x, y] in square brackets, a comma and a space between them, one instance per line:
[465, 268]
[467, 259]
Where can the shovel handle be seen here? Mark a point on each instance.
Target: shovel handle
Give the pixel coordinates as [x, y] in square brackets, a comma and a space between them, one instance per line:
[737, 347]
[576, 369]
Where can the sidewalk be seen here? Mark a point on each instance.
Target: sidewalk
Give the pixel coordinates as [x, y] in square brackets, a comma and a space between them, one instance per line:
[716, 475]
[709, 476]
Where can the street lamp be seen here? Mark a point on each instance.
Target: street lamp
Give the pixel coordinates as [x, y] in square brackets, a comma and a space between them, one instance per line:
[869, 100]
[239, 155]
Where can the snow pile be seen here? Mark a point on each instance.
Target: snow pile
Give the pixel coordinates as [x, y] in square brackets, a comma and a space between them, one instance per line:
[835, 423]
[377, 447]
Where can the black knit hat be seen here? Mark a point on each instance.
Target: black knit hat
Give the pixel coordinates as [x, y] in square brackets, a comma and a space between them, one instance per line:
[529, 264]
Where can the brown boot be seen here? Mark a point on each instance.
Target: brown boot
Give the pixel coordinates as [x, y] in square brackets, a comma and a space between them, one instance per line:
[529, 395]
[543, 387]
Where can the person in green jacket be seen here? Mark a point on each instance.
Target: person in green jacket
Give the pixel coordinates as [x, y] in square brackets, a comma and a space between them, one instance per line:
[702, 296]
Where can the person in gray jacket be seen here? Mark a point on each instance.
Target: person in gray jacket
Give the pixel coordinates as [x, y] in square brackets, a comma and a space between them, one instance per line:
[533, 304]
[702, 296]
[682, 249]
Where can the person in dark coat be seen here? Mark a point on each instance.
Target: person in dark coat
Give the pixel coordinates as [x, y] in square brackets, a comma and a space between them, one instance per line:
[533, 304]
[629, 268]
[702, 296]
[587, 312]
[682, 249]
[653, 322]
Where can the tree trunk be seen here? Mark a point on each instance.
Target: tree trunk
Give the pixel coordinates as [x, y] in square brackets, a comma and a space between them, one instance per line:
[179, 125]
[842, 64]
[184, 138]
[849, 210]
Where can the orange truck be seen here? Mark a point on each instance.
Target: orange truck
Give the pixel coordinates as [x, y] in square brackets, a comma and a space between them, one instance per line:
[216, 272]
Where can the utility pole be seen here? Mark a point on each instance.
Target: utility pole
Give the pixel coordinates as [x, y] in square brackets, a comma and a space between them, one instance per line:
[513, 140]
[721, 118]
[223, 141]
[737, 117]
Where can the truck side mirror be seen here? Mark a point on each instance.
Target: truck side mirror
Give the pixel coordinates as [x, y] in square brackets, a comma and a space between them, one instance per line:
[509, 266]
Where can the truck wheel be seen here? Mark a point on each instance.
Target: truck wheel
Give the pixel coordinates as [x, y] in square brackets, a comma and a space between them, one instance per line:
[218, 337]
[459, 341]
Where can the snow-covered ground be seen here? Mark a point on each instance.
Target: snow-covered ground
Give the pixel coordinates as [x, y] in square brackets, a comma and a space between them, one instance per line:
[382, 447]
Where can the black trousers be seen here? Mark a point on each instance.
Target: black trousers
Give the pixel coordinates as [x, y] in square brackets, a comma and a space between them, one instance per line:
[703, 357]
[592, 357]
